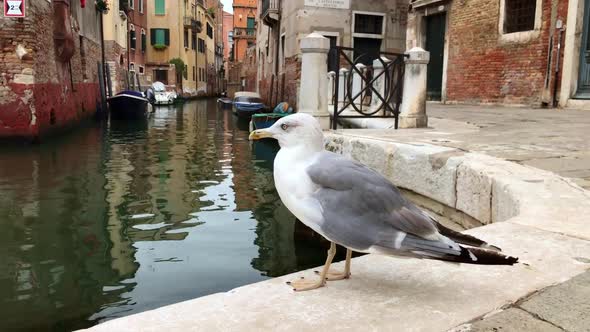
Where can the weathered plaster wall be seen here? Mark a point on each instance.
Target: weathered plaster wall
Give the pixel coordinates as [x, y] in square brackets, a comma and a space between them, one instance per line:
[37, 93]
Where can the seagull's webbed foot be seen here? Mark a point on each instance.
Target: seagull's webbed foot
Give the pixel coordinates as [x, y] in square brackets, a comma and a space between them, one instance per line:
[332, 276]
[304, 284]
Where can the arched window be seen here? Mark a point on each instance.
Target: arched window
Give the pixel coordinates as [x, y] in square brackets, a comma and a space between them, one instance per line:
[143, 41]
[132, 39]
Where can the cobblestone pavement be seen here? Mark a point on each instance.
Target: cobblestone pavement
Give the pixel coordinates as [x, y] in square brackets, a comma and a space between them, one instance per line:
[549, 139]
[564, 307]
[553, 140]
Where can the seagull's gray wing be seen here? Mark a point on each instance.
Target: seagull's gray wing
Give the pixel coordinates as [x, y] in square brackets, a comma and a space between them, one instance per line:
[363, 209]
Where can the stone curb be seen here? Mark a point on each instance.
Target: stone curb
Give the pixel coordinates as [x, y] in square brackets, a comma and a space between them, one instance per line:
[535, 215]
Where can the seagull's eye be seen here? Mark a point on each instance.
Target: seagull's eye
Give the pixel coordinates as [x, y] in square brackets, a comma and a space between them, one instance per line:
[284, 126]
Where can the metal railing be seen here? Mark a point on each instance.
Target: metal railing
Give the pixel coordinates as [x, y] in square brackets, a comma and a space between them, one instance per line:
[360, 91]
[244, 32]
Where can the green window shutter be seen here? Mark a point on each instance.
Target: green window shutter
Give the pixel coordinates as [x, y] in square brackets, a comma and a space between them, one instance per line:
[153, 36]
[251, 21]
[160, 36]
[160, 7]
[166, 37]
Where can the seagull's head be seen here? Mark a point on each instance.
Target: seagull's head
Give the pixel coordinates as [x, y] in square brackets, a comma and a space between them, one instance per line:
[297, 129]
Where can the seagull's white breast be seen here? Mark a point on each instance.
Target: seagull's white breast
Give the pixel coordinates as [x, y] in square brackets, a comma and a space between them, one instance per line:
[295, 187]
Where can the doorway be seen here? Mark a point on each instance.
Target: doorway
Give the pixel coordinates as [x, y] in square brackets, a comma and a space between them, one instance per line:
[366, 50]
[435, 44]
[584, 77]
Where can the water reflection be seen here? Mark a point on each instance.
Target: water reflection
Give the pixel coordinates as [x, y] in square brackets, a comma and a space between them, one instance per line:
[123, 217]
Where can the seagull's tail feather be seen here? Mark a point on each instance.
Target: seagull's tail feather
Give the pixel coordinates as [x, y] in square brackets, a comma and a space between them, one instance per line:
[447, 250]
[480, 257]
[464, 238]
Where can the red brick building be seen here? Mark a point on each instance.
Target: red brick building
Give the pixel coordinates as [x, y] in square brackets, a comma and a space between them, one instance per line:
[228, 31]
[48, 68]
[504, 51]
[137, 28]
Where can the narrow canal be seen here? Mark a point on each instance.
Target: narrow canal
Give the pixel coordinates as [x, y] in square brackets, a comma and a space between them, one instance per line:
[115, 219]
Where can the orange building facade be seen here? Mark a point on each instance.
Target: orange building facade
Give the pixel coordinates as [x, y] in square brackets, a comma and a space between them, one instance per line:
[245, 22]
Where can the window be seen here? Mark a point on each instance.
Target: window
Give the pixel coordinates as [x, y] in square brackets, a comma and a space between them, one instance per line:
[141, 70]
[161, 75]
[194, 74]
[194, 42]
[143, 41]
[185, 72]
[209, 30]
[201, 45]
[371, 24]
[132, 66]
[250, 31]
[160, 37]
[131, 3]
[160, 7]
[519, 15]
[141, 6]
[185, 38]
[132, 39]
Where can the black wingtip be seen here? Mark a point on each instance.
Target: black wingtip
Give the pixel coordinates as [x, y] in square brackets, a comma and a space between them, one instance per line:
[486, 257]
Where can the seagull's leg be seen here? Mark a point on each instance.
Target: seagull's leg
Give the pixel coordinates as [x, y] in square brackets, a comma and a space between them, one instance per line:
[331, 276]
[303, 285]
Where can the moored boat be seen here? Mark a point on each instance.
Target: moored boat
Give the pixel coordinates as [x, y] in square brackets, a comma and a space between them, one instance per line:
[161, 95]
[128, 104]
[245, 104]
[265, 120]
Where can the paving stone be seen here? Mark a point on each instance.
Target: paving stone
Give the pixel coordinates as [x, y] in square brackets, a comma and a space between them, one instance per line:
[510, 320]
[566, 305]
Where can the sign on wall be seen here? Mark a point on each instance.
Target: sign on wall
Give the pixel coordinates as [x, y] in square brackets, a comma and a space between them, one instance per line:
[14, 8]
[338, 4]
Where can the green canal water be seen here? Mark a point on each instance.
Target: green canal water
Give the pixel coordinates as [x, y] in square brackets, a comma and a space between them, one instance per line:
[115, 219]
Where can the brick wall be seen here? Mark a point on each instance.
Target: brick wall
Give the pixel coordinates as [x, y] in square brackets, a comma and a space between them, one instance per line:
[484, 69]
[116, 58]
[286, 85]
[38, 95]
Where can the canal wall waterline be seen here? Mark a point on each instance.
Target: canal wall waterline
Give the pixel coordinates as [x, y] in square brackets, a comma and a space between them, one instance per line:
[533, 214]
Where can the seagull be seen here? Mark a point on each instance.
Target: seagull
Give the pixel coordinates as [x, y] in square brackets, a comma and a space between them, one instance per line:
[352, 205]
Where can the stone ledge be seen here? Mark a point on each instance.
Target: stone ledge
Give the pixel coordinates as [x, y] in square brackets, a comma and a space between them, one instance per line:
[543, 224]
[383, 294]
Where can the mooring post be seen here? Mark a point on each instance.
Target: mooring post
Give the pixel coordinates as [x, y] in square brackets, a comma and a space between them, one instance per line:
[413, 107]
[313, 88]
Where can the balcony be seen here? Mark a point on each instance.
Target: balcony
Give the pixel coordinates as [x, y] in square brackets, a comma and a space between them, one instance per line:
[246, 33]
[194, 25]
[270, 12]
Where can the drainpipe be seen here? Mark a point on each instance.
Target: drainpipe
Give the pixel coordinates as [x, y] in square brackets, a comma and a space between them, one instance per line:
[102, 49]
[557, 57]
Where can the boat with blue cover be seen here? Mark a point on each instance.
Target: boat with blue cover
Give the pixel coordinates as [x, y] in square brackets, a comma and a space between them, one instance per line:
[128, 104]
[246, 104]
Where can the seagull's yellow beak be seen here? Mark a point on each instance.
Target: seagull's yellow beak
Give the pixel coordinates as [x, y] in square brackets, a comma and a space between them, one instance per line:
[259, 134]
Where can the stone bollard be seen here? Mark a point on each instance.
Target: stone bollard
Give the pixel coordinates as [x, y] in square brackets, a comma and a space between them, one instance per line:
[331, 78]
[358, 83]
[342, 86]
[413, 107]
[313, 88]
[379, 84]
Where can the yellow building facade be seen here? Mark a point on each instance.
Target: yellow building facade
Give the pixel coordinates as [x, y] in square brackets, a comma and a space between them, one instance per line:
[184, 30]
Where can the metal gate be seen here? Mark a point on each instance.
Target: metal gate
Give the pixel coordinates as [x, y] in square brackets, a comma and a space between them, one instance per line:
[379, 94]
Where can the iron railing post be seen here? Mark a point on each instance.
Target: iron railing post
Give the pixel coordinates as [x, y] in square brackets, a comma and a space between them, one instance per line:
[336, 89]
